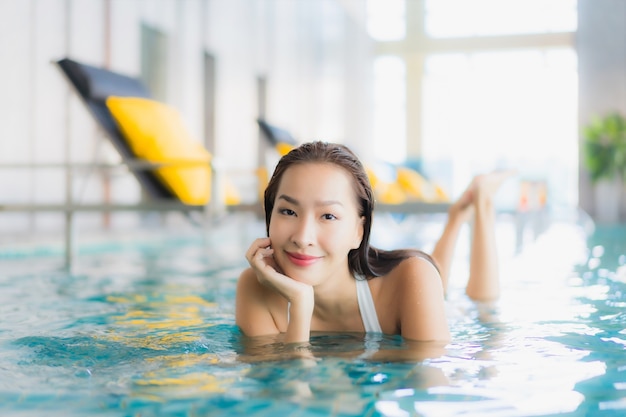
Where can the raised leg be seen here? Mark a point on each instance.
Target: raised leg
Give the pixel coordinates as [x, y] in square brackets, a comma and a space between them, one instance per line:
[443, 252]
[476, 201]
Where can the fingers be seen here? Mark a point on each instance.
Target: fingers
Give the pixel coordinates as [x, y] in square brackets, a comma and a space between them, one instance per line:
[261, 254]
[258, 249]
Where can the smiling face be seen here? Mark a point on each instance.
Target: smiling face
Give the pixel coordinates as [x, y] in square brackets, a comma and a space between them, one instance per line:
[315, 222]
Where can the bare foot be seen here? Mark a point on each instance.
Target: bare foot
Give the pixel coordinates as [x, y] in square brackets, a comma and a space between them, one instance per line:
[482, 188]
[486, 186]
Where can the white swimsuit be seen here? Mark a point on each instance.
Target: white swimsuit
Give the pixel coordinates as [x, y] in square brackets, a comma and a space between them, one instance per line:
[366, 306]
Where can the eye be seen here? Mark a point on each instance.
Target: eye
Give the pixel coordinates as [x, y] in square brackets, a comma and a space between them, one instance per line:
[287, 212]
[329, 216]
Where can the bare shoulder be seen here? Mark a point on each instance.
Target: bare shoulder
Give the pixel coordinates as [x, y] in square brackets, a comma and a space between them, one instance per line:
[247, 278]
[255, 306]
[419, 297]
[249, 287]
[411, 281]
[413, 273]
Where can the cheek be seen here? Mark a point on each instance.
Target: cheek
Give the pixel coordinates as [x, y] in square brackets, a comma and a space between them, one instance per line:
[273, 230]
[341, 239]
[277, 230]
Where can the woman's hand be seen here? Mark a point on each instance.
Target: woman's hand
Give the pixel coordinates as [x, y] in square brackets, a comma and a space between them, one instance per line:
[260, 257]
[299, 295]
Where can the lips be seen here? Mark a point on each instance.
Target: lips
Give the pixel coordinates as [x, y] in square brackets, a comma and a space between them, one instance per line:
[300, 259]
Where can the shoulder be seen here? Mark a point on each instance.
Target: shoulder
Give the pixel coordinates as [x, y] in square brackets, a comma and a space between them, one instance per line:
[248, 286]
[247, 277]
[411, 280]
[414, 270]
[256, 306]
[418, 291]
[247, 282]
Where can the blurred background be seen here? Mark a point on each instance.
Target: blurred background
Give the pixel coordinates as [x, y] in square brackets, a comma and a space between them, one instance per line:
[452, 87]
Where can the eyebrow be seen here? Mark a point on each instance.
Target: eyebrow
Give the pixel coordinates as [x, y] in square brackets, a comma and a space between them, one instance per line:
[319, 203]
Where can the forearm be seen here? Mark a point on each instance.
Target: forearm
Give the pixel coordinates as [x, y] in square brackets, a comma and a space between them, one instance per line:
[300, 315]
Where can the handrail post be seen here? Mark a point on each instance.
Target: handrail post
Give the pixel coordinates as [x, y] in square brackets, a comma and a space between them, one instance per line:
[216, 207]
[69, 221]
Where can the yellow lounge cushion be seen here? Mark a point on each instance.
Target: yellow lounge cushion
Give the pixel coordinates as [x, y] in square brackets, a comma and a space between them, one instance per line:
[155, 132]
[419, 188]
[283, 148]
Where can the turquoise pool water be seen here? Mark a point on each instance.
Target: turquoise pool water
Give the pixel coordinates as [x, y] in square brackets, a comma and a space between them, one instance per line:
[146, 328]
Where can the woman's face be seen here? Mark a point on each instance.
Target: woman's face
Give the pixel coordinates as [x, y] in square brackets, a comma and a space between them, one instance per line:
[315, 222]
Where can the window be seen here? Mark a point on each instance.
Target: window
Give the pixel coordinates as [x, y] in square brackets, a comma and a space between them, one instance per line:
[390, 109]
[510, 109]
[496, 82]
[386, 19]
[463, 18]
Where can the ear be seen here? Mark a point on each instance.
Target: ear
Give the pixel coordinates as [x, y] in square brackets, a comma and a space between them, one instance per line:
[358, 237]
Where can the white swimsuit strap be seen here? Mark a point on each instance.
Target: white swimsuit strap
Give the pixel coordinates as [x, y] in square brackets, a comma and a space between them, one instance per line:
[366, 307]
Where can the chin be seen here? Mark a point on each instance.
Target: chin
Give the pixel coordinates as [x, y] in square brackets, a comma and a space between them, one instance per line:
[305, 277]
[298, 276]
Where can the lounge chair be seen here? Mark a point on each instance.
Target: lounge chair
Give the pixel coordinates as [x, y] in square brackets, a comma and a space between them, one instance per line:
[150, 137]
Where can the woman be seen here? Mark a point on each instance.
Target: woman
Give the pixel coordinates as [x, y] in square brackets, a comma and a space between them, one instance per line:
[316, 270]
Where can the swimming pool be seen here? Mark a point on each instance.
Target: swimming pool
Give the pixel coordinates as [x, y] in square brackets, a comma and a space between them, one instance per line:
[145, 327]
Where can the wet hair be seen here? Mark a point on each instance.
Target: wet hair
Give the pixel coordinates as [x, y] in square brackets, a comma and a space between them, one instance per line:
[365, 261]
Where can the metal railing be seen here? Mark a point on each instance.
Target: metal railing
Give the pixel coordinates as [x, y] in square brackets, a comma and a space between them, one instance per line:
[214, 209]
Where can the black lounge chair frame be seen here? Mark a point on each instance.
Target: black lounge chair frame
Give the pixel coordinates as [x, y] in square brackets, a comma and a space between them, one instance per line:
[94, 85]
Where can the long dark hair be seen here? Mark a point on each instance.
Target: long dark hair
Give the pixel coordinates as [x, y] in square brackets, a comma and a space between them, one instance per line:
[366, 261]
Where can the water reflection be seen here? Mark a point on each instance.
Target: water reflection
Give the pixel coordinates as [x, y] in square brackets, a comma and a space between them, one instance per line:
[165, 343]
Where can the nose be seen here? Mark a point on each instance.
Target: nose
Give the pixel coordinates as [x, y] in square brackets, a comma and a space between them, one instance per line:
[304, 232]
